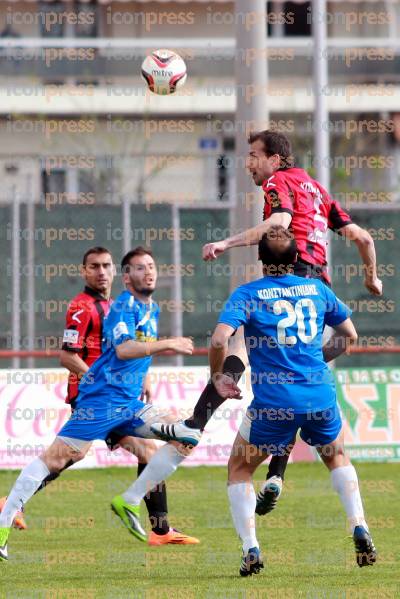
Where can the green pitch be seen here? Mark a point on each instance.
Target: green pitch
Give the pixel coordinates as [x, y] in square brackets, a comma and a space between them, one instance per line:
[76, 548]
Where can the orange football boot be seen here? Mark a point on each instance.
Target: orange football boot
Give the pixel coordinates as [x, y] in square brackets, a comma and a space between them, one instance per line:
[173, 537]
[19, 520]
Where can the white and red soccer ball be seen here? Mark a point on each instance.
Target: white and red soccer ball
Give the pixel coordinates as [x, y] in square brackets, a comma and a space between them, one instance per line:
[164, 72]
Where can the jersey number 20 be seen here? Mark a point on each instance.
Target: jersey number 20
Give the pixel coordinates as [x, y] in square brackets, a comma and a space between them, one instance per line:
[295, 314]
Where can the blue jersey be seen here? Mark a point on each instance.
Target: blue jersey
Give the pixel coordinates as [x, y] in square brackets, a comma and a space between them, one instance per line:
[284, 319]
[122, 379]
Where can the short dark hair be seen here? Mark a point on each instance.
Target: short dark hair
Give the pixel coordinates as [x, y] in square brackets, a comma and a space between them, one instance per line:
[98, 249]
[274, 143]
[140, 250]
[274, 256]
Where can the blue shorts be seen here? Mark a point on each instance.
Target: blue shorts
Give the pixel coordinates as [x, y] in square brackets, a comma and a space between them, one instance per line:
[95, 417]
[273, 430]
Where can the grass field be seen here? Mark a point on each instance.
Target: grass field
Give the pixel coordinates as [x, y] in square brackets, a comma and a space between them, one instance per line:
[75, 547]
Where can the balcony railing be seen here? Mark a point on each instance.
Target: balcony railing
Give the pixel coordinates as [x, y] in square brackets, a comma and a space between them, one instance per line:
[104, 59]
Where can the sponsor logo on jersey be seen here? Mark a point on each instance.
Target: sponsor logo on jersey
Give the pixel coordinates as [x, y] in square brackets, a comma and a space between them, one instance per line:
[273, 197]
[70, 336]
[120, 329]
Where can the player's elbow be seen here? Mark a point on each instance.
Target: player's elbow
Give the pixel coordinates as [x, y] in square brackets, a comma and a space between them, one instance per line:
[351, 334]
[64, 359]
[120, 351]
[352, 338]
[218, 340]
[282, 219]
[363, 238]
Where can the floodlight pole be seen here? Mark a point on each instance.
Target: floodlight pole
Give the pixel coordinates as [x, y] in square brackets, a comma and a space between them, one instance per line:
[251, 114]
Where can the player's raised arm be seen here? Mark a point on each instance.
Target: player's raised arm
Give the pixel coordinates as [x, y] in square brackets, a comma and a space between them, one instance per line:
[130, 349]
[252, 236]
[366, 248]
[263, 164]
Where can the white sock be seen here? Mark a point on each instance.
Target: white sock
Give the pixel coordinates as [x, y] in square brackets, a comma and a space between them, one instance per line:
[162, 464]
[29, 480]
[242, 498]
[345, 482]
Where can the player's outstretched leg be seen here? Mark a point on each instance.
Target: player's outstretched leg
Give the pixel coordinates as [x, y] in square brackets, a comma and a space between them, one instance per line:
[161, 531]
[4, 533]
[161, 465]
[129, 515]
[19, 520]
[157, 507]
[31, 477]
[189, 431]
[345, 482]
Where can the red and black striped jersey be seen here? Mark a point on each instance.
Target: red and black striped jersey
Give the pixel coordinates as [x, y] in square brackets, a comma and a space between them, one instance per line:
[84, 331]
[312, 209]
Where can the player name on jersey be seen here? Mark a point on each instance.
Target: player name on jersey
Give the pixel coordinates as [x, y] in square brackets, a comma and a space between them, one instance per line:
[293, 291]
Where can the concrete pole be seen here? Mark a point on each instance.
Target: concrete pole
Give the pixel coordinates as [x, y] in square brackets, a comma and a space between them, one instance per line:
[251, 115]
[126, 224]
[15, 277]
[177, 321]
[30, 262]
[321, 115]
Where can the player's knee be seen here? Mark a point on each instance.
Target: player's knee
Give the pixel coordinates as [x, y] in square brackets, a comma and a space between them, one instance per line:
[78, 456]
[234, 467]
[57, 456]
[149, 450]
[54, 463]
[334, 455]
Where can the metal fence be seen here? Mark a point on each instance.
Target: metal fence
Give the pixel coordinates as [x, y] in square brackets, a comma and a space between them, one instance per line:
[42, 252]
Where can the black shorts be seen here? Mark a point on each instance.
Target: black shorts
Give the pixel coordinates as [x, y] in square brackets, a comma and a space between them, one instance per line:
[311, 271]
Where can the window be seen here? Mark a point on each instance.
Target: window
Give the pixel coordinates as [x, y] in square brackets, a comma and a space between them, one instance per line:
[51, 20]
[53, 181]
[55, 19]
[300, 24]
[289, 19]
[225, 170]
[87, 22]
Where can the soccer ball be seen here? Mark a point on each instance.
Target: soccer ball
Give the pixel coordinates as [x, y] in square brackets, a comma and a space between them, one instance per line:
[164, 72]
